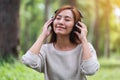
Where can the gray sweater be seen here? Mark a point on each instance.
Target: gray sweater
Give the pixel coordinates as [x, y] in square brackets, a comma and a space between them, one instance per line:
[62, 65]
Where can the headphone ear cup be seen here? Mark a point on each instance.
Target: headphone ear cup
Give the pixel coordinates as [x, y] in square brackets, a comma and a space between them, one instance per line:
[53, 18]
[75, 28]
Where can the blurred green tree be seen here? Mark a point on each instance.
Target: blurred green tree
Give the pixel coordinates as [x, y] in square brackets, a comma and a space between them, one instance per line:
[68, 2]
[107, 28]
[97, 15]
[96, 28]
[33, 16]
[31, 21]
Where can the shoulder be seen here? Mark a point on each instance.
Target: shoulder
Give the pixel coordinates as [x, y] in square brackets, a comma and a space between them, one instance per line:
[90, 45]
[46, 46]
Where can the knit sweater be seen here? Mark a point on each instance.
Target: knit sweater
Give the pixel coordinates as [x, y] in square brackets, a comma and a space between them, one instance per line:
[62, 65]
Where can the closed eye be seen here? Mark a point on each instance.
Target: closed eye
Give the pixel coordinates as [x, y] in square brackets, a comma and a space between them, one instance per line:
[67, 19]
[58, 18]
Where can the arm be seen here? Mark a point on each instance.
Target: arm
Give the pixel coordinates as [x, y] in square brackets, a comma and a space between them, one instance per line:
[86, 50]
[82, 39]
[90, 63]
[45, 33]
[33, 58]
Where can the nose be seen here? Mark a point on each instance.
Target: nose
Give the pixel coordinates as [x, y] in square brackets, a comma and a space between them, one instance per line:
[61, 21]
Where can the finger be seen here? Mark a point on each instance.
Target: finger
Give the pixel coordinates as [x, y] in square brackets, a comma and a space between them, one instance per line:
[77, 33]
[79, 27]
[78, 23]
[50, 21]
[82, 24]
[49, 28]
[84, 28]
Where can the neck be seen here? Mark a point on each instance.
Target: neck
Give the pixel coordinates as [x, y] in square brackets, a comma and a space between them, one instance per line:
[63, 43]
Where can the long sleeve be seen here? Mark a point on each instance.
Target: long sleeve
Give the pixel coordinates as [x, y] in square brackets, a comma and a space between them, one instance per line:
[61, 65]
[90, 66]
[33, 60]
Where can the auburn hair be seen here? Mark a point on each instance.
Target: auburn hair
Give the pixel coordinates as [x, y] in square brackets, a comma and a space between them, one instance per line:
[77, 17]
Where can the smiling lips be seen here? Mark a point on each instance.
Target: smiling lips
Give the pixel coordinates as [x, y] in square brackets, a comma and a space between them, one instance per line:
[61, 27]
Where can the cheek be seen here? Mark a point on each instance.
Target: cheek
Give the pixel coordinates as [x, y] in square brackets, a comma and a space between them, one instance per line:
[54, 24]
[71, 27]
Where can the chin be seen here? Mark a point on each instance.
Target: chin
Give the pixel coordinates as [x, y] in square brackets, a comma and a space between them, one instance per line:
[62, 34]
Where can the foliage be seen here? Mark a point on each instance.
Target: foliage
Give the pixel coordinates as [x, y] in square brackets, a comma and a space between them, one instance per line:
[18, 71]
[31, 21]
[8, 58]
[108, 69]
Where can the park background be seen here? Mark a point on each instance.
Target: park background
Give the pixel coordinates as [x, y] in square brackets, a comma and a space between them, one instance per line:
[21, 23]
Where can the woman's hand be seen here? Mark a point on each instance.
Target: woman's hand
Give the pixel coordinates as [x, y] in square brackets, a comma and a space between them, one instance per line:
[45, 33]
[46, 29]
[83, 34]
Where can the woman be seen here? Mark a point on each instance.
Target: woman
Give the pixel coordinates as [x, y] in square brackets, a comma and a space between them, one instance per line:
[68, 55]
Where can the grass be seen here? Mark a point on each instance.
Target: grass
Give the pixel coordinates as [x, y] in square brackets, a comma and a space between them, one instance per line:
[18, 71]
[109, 70]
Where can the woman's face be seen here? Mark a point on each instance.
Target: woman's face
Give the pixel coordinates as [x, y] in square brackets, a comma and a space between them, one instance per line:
[63, 23]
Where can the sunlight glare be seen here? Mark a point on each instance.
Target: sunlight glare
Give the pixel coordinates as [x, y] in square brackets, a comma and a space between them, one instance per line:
[117, 12]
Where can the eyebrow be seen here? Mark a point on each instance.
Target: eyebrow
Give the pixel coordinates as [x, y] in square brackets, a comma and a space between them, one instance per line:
[65, 16]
